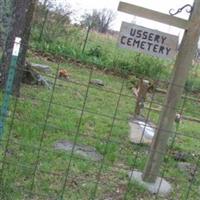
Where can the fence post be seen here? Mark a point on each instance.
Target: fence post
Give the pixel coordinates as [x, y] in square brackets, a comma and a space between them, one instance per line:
[141, 96]
[86, 38]
[182, 65]
[9, 83]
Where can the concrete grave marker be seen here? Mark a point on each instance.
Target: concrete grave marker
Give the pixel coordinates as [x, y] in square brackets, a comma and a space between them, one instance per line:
[82, 150]
[141, 132]
[41, 68]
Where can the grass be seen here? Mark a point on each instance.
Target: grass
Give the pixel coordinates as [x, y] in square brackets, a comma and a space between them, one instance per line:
[101, 51]
[37, 127]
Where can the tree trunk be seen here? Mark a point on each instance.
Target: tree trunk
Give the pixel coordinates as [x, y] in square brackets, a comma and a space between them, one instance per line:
[20, 27]
[25, 41]
[5, 17]
[1, 24]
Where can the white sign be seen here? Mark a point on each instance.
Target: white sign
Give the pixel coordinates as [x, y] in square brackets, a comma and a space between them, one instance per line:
[16, 47]
[147, 41]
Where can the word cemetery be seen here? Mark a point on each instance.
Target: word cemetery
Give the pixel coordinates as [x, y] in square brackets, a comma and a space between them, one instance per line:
[148, 41]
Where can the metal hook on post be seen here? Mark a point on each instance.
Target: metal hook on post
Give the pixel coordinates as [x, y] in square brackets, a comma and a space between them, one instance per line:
[188, 8]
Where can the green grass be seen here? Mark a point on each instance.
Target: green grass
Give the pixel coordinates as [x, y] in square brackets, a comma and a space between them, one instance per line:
[34, 131]
[101, 51]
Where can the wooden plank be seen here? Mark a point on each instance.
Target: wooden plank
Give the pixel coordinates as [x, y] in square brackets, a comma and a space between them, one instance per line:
[153, 15]
[183, 117]
[148, 41]
[161, 91]
[192, 119]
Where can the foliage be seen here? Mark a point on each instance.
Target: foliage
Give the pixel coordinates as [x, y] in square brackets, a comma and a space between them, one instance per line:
[95, 51]
[99, 20]
[101, 50]
[193, 85]
[67, 40]
[55, 20]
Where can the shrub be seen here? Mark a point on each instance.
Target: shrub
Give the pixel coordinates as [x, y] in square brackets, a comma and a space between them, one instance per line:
[95, 51]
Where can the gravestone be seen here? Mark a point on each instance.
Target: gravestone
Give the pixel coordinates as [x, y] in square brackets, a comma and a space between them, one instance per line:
[141, 131]
[79, 149]
[41, 68]
[97, 82]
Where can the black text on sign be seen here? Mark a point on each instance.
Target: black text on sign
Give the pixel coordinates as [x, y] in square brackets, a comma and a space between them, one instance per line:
[148, 41]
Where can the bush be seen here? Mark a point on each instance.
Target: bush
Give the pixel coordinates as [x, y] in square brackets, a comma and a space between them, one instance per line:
[95, 51]
[192, 85]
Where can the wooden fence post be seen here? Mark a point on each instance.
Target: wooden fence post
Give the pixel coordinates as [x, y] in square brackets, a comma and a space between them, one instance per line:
[141, 95]
[180, 73]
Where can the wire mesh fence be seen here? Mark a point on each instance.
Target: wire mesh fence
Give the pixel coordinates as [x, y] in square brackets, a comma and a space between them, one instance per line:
[80, 113]
[73, 139]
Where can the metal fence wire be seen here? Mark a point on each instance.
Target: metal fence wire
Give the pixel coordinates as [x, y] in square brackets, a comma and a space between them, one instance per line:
[77, 138]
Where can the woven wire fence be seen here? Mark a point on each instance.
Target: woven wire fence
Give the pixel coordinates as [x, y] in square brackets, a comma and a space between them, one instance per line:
[36, 162]
[72, 140]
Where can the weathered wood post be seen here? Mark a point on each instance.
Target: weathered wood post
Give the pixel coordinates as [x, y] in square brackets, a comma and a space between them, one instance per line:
[182, 65]
[141, 96]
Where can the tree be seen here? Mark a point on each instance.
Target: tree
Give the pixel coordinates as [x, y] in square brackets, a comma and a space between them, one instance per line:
[52, 17]
[1, 23]
[20, 27]
[100, 20]
[5, 13]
